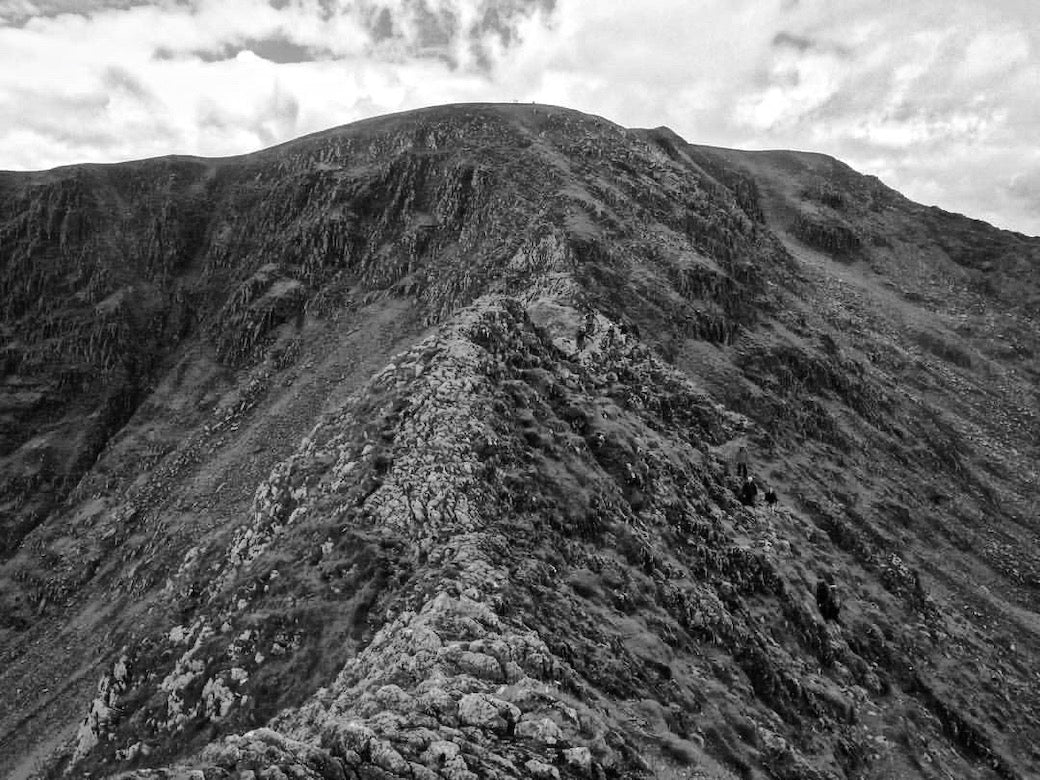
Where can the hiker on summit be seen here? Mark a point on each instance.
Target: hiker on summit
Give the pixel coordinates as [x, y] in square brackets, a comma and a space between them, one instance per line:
[742, 461]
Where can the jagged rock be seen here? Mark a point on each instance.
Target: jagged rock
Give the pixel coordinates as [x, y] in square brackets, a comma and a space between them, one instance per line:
[543, 731]
[487, 712]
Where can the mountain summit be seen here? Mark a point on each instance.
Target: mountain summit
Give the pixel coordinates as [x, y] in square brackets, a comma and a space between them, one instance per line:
[416, 449]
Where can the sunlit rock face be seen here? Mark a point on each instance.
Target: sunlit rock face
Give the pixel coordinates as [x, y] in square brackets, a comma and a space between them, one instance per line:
[410, 450]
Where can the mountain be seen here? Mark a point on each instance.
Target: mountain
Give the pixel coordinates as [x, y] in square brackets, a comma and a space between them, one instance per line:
[409, 450]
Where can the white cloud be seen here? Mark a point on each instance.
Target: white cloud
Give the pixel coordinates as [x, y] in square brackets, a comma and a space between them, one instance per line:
[936, 97]
[799, 84]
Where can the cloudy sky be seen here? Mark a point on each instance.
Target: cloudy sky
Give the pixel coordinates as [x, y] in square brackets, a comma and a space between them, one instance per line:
[940, 98]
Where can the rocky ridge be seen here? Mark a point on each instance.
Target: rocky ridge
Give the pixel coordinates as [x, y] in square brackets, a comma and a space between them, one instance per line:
[519, 346]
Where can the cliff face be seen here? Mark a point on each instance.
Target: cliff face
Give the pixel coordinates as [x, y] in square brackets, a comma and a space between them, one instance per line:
[407, 450]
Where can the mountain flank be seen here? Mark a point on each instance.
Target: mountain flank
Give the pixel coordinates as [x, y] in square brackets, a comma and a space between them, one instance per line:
[410, 449]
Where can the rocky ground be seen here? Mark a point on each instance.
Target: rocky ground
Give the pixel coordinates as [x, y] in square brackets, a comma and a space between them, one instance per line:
[407, 450]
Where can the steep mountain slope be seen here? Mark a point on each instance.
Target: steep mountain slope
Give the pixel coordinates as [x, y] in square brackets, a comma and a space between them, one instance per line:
[405, 450]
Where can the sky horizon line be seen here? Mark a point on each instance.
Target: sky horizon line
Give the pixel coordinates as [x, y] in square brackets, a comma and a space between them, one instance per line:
[936, 99]
[491, 103]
